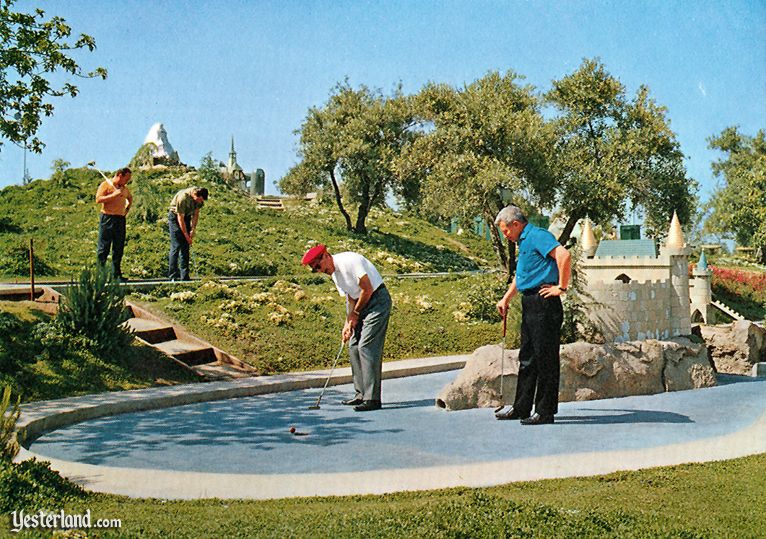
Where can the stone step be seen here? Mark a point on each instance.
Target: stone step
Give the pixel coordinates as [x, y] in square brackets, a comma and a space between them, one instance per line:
[190, 353]
[151, 331]
[218, 371]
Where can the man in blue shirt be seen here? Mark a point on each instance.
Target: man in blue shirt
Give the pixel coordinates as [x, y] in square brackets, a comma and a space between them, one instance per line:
[543, 270]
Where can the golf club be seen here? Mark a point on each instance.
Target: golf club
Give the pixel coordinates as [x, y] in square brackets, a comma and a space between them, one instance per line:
[502, 365]
[315, 406]
[92, 164]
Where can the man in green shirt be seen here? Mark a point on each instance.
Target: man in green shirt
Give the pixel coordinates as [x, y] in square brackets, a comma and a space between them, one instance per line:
[182, 224]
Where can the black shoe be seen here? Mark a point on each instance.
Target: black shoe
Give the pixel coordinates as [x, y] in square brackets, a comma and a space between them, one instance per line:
[510, 414]
[356, 401]
[368, 406]
[538, 419]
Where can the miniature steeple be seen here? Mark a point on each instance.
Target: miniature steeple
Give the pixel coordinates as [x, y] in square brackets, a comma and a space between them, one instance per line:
[588, 239]
[702, 264]
[232, 157]
[675, 234]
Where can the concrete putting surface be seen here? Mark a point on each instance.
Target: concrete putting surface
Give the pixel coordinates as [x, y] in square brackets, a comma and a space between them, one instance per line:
[409, 438]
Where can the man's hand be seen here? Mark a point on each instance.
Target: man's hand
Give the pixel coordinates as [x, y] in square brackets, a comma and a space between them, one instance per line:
[502, 305]
[551, 291]
[189, 239]
[348, 330]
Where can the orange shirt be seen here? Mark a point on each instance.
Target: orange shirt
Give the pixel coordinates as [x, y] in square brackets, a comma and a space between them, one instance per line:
[117, 205]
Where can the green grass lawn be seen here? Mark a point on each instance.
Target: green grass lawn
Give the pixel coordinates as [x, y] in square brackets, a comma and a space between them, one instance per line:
[234, 237]
[719, 499]
[38, 368]
[282, 325]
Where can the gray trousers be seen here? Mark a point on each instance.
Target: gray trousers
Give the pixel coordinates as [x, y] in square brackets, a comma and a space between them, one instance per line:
[365, 347]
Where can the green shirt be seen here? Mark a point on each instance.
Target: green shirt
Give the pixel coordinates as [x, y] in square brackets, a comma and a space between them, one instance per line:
[183, 203]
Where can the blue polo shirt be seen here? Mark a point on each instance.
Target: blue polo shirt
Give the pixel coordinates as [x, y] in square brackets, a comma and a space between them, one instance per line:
[533, 266]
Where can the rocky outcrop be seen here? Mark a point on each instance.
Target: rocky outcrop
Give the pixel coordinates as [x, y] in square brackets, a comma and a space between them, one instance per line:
[588, 372]
[736, 347]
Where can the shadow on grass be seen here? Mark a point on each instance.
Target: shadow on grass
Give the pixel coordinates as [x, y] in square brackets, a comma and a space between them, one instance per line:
[440, 260]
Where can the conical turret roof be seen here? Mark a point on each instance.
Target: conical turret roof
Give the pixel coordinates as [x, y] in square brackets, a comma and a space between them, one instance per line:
[675, 234]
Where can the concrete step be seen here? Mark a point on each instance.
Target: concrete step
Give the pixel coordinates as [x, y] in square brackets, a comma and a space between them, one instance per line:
[151, 331]
[218, 371]
[190, 353]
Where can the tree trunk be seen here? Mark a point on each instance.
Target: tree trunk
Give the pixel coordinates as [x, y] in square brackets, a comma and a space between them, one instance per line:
[497, 241]
[364, 209]
[338, 199]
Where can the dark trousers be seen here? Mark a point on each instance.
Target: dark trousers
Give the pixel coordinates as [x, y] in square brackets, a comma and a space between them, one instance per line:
[178, 260]
[111, 236]
[539, 363]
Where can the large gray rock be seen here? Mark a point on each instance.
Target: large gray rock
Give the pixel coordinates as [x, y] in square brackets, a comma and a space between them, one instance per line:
[736, 347]
[588, 372]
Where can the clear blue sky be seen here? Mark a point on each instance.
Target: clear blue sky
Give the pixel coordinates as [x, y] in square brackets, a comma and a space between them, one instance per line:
[251, 69]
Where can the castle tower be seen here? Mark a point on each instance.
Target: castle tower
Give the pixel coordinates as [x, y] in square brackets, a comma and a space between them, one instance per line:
[700, 292]
[678, 253]
[588, 242]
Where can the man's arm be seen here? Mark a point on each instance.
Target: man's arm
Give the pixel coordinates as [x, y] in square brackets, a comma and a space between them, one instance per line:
[355, 306]
[502, 305]
[101, 197]
[182, 226]
[195, 218]
[130, 202]
[564, 263]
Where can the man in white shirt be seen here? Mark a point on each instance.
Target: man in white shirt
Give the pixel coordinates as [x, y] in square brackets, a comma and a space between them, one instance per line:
[368, 307]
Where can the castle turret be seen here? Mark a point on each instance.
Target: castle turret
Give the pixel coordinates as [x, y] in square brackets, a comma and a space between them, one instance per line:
[588, 241]
[677, 251]
[700, 292]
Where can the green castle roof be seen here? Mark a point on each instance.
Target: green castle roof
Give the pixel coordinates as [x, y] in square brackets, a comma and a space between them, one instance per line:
[626, 248]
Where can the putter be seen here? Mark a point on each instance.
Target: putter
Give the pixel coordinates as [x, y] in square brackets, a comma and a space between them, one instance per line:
[502, 366]
[315, 406]
[92, 165]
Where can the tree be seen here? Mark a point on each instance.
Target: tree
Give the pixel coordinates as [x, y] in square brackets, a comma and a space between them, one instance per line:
[144, 156]
[209, 169]
[479, 144]
[351, 144]
[613, 152]
[33, 49]
[739, 202]
[59, 176]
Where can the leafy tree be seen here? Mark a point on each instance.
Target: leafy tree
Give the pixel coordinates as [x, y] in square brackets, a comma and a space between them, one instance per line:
[59, 176]
[33, 49]
[210, 169]
[739, 203]
[351, 144]
[614, 152]
[481, 146]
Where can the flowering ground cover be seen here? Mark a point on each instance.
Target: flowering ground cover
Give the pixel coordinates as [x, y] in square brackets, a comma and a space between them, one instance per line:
[743, 290]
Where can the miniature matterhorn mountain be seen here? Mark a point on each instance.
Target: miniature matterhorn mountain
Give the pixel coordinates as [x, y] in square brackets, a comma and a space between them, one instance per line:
[163, 153]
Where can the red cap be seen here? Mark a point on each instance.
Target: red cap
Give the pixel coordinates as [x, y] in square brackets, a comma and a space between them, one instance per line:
[313, 253]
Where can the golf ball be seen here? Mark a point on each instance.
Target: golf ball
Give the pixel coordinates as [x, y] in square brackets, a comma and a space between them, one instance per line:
[292, 430]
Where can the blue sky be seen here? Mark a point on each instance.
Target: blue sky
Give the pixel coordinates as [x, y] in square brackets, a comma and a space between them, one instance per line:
[251, 69]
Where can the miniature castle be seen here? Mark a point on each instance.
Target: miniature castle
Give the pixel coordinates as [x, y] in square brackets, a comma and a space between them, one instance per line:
[640, 294]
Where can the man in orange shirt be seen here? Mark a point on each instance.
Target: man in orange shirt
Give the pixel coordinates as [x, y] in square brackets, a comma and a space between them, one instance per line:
[115, 200]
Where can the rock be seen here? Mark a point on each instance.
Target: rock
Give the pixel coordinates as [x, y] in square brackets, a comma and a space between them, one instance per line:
[163, 154]
[736, 347]
[588, 372]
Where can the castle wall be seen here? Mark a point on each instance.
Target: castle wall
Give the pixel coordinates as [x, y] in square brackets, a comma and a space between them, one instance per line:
[636, 311]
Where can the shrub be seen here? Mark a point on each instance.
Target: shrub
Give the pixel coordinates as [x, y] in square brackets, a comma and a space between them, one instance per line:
[9, 447]
[33, 486]
[94, 308]
[483, 296]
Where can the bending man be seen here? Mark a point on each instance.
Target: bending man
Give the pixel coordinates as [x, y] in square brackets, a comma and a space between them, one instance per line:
[542, 275]
[368, 307]
[182, 224]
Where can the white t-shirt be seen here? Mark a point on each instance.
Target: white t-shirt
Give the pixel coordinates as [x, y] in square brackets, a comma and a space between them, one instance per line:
[349, 268]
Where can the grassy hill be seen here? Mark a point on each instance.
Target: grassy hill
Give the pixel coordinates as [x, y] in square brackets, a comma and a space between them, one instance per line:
[234, 238]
